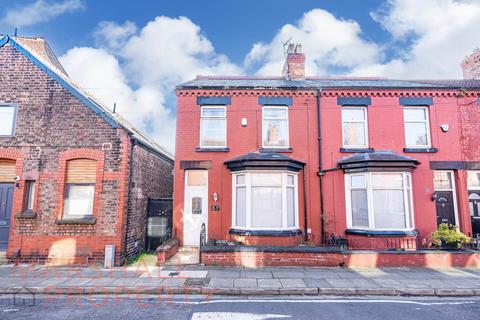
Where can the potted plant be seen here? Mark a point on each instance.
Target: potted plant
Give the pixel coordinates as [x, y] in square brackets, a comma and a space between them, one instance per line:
[448, 237]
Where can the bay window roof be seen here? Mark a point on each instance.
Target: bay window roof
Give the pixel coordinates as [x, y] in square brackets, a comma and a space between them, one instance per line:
[377, 159]
[264, 161]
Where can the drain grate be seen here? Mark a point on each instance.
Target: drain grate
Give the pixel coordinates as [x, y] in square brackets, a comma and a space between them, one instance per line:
[197, 281]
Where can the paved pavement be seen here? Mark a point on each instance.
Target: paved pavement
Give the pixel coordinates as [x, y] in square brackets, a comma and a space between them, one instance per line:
[241, 281]
[241, 308]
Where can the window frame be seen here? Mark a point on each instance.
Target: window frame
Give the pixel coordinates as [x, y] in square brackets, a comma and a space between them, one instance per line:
[407, 198]
[224, 118]
[469, 186]
[365, 122]
[248, 197]
[452, 189]
[14, 124]
[67, 203]
[427, 124]
[287, 129]
[29, 195]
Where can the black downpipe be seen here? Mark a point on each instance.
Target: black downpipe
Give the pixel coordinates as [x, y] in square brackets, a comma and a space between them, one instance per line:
[320, 172]
[305, 216]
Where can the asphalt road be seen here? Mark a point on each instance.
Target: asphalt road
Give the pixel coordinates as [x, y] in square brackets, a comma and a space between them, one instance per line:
[238, 308]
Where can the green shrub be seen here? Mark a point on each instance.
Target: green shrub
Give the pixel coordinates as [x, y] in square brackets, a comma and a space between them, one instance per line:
[449, 236]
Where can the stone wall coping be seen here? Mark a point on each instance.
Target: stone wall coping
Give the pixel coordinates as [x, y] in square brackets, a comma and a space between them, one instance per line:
[167, 245]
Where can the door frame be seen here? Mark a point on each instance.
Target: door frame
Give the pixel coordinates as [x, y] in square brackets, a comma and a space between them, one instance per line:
[454, 194]
[472, 189]
[9, 221]
[185, 201]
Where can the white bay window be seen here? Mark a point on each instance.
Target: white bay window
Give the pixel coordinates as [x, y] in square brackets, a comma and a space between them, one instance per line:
[379, 201]
[265, 201]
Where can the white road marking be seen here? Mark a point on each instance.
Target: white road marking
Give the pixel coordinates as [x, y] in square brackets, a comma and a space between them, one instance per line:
[324, 301]
[235, 316]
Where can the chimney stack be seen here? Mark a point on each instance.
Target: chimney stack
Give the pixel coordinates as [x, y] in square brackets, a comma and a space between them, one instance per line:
[471, 65]
[294, 68]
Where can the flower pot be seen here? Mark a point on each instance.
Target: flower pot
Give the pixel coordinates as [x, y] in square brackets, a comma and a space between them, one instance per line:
[449, 246]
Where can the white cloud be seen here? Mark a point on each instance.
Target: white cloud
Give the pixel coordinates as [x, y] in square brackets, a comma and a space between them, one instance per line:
[101, 74]
[114, 36]
[168, 51]
[442, 33]
[39, 11]
[328, 42]
[139, 70]
[429, 38]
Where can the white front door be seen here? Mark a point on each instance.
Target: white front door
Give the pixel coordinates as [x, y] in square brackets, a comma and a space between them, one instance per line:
[196, 206]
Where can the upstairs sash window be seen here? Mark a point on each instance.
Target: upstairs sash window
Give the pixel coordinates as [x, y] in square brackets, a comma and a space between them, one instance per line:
[354, 127]
[275, 127]
[417, 127]
[213, 127]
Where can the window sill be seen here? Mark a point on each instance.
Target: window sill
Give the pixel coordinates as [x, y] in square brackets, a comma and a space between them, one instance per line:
[200, 149]
[382, 233]
[279, 150]
[82, 221]
[420, 150]
[356, 150]
[266, 233]
[27, 214]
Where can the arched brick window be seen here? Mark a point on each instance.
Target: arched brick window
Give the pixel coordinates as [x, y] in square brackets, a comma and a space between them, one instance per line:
[80, 188]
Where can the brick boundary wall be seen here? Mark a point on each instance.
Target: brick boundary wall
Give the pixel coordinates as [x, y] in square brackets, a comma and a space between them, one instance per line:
[166, 251]
[350, 259]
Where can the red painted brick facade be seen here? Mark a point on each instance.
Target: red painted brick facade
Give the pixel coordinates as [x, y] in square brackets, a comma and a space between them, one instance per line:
[52, 127]
[458, 109]
[241, 140]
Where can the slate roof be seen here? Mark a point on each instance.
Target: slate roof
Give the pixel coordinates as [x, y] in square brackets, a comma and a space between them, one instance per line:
[213, 82]
[42, 49]
[40, 53]
[262, 156]
[376, 156]
[262, 160]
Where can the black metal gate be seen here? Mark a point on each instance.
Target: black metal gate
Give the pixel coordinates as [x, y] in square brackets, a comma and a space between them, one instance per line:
[159, 222]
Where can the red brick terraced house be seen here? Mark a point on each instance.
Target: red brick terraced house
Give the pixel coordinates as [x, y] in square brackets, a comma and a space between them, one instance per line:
[74, 176]
[295, 161]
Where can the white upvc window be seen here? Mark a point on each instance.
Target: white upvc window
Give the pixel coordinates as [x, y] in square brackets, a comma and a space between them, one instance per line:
[417, 127]
[473, 180]
[8, 115]
[79, 200]
[354, 127]
[275, 127]
[213, 127]
[379, 201]
[265, 201]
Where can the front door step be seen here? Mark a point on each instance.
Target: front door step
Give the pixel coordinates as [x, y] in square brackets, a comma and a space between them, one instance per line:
[184, 256]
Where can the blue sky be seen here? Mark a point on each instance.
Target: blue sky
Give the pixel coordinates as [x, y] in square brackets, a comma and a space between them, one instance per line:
[231, 25]
[133, 53]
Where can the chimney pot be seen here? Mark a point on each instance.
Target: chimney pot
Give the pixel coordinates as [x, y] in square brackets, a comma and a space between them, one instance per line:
[471, 65]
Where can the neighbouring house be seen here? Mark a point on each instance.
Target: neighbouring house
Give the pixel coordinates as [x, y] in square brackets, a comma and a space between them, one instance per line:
[75, 177]
[371, 163]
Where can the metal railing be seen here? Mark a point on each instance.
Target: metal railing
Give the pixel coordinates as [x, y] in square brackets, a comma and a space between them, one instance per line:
[203, 241]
